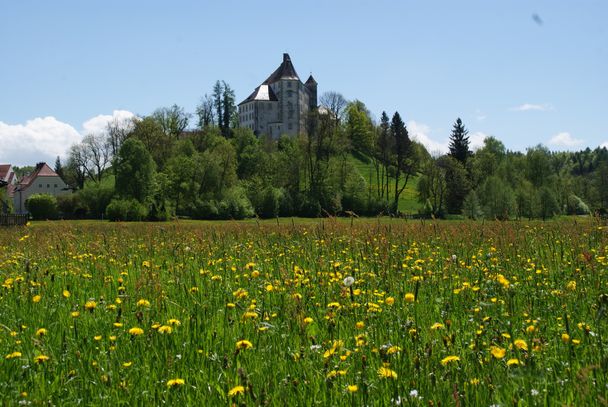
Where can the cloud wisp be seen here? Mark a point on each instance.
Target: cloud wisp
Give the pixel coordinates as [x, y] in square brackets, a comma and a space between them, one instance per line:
[528, 107]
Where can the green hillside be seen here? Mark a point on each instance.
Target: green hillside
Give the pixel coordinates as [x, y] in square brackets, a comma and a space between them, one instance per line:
[408, 202]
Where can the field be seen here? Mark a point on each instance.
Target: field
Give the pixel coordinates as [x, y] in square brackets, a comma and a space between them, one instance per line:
[318, 312]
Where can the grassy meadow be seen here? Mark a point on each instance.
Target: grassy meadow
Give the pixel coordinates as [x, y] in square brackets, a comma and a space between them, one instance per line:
[318, 312]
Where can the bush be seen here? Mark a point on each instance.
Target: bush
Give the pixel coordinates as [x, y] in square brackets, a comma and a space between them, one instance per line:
[96, 197]
[576, 206]
[235, 205]
[42, 206]
[71, 206]
[126, 210]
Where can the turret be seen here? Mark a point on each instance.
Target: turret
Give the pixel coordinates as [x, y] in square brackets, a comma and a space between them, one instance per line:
[311, 85]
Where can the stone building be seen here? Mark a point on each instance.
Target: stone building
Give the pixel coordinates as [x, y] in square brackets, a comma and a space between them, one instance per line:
[280, 104]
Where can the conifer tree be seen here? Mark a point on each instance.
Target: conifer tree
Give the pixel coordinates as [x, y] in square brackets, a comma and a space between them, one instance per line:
[459, 142]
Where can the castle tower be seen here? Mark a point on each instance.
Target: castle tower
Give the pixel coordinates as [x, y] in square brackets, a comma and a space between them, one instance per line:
[311, 85]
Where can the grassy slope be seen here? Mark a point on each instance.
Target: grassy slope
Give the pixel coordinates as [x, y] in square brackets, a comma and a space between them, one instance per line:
[408, 201]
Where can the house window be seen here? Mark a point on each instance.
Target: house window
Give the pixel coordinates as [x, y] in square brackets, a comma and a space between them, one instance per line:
[48, 185]
[55, 185]
[39, 185]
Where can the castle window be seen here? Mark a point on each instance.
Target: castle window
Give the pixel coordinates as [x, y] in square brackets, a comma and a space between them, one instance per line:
[289, 84]
[289, 126]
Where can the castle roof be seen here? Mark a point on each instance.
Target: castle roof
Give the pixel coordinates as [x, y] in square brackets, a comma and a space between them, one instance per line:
[262, 92]
[284, 71]
[310, 81]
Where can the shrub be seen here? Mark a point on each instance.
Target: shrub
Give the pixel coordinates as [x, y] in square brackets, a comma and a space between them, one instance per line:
[42, 206]
[96, 198]
[126, 210]
[71, 206]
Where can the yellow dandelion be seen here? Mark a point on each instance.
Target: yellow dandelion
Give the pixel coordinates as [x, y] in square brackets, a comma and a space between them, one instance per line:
[75, 314]
[175, 382]
[565, 338]
[136, 331]
[498, 352]
[513, 361]
[449, 359]
[409, 297]
[244, 344]
[41, 359]
[389, 301]
[41, 332]
[520, 344]
[308, 320]
[360, 325]
[250, 315]
[165, 329]
[386, 373]
[90, 305]
[174, 322]
[36, 298]
[571, 285]
[352, 388]
[437, 325]
[143, 303]
[66, 294]
[127, 364]
[13, 355]
[236, 391]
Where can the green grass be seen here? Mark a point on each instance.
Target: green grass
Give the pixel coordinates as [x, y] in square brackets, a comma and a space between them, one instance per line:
[469, 313]
[408, 201]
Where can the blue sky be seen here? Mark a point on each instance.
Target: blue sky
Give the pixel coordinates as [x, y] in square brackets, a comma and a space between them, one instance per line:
[69, 66]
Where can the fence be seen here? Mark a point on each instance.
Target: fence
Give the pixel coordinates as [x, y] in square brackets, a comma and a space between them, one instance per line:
[13, 220]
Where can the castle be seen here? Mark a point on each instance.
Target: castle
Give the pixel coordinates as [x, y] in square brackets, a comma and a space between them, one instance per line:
[280, 104]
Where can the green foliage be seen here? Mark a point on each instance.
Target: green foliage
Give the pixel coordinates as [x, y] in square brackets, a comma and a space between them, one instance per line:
[42, 206]
[497, 199]
[576, 206]
[471, 208]
[126, 210]
[71, 206]
[134, 171]
[96, 198]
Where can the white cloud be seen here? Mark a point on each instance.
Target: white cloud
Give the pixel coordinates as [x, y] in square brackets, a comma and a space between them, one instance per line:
[45, 138]
[99, 123]
[40, 139]
[604, 144]
[565, 139]
[476, 140]
[420, 133]
[526, 107]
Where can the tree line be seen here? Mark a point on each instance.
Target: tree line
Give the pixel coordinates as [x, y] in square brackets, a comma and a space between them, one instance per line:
[204, 166]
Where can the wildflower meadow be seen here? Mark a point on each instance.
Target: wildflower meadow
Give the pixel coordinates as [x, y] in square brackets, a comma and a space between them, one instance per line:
[319, 312]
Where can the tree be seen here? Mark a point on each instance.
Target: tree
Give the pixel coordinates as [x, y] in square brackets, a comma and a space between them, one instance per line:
[229, 109]
[204, 110]
[432, 186]
[134, 170]
[359, 127]
[117, 132]
[457, 184]
[173, 120]
[383, 148]
[58, 167]
[335, 104]
[404, 157]
[91, 157]
[459, 142]
[218, 102]
[150, 132]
